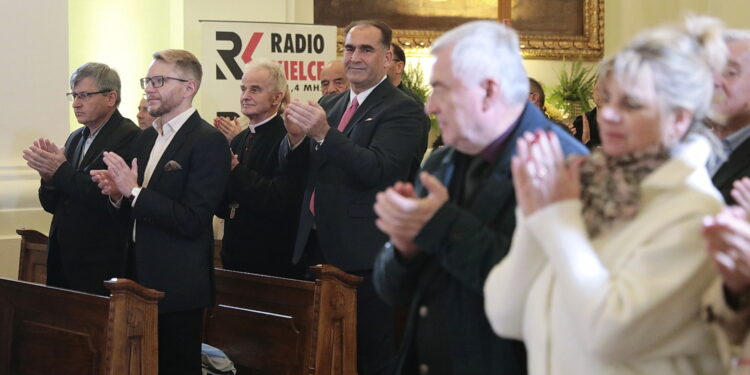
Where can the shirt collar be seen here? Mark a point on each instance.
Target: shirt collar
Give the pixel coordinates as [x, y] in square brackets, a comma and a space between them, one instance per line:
[364, 94]
[252, 127]
[736, 139]
[493, 150]
[173, 126]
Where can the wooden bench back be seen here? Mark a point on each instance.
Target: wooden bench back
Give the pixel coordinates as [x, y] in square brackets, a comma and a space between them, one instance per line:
[49, 330]
[264, 324]
[274, 325]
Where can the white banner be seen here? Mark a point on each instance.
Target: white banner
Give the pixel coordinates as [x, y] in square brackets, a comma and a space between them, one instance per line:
[301, 50]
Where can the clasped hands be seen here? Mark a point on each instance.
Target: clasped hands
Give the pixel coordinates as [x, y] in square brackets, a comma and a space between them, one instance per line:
[118, 179]
[230, 128]
[44, 157]
[402, 215]
[541, 175]
[305, 119]
[728, 239]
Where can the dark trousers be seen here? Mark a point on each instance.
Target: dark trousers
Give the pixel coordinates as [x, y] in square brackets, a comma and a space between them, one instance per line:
[180, 342]
[376, 344]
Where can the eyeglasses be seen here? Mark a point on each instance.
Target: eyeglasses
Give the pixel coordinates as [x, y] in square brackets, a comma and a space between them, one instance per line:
[158, 81]
[84, 95]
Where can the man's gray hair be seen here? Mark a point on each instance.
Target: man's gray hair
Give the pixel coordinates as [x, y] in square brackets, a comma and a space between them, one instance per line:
[487, 49]
[105, 78]
[278, 80]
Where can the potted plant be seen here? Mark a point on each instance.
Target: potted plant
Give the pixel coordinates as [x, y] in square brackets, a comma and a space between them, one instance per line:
[575, 89]
[413, 79]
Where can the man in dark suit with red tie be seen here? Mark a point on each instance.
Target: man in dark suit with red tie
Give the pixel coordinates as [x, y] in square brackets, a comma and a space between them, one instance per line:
[86, 245]
[170, 193]
[355, 144]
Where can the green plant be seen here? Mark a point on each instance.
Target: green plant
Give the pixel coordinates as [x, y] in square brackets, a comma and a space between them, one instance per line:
[575, 89]
[413, 79]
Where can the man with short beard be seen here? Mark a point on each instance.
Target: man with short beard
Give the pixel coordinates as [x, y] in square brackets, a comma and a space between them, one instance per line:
[170, 193]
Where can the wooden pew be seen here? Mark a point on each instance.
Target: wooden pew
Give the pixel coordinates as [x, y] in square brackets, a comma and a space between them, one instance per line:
[271, 325]
[45, 330]
[268, 325]
[33, 262]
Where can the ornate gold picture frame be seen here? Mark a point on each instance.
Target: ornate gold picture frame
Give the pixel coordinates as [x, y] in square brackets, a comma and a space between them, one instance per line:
[549, 29]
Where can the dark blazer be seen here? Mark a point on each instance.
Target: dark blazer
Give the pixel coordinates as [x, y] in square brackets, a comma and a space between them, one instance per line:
[173, 250]
[375, 150]
[426, 124]
[259, 234]
[736, 167]
[594, 140]
[461, 246]
[86, 244]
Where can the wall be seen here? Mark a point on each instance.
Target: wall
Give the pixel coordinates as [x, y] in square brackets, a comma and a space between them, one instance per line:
[34, 73]
[123, 35]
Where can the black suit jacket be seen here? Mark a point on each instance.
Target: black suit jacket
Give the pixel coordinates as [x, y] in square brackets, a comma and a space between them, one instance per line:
[86, 244]
[459, 246]
[736, 167]
[594, 139]
[419, 155]
[173, 250]
[375, 150]
[259, 236]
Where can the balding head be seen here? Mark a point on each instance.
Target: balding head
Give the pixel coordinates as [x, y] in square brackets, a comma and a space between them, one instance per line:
[333, 78]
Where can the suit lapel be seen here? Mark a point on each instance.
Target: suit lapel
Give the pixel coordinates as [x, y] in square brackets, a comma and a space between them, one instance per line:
[147, 141]
[179, 139]
[70, 149]
[101, 141]
[337, 110]
[497, 190]
[737, 162]
[373, 100]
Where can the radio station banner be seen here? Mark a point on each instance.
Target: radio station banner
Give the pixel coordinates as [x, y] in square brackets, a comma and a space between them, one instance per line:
[301, 50]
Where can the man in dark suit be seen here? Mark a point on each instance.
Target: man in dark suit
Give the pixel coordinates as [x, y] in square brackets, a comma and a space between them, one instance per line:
[172, 189]
[260, 207]
[732, 115]
[586, 128]
[357, 143]
[395, 70]
[86, 245]
[447, 232]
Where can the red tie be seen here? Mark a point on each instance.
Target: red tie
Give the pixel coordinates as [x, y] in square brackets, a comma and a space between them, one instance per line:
[348, 114]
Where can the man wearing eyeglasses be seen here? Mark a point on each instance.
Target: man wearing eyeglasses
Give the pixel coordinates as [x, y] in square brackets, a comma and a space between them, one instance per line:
[169, 193]
[86, 245]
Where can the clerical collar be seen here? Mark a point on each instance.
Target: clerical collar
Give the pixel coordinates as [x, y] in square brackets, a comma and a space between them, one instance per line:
[252, 127]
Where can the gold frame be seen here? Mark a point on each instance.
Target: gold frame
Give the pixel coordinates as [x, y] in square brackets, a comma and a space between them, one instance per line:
[589, 46]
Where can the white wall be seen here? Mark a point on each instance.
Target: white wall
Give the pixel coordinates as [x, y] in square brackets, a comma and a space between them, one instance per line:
[35, 78]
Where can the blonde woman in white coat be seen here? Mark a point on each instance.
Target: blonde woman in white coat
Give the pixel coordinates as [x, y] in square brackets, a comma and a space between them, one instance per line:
[607, 266]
